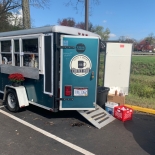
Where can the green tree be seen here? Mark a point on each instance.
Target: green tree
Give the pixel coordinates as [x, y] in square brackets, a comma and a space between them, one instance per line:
[81, 25]
[6, 21]
[11, 5]
[151, 39]
[96, 29]
[100, 31]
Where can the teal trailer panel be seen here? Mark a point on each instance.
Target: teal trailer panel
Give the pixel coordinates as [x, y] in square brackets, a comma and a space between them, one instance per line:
[78, 72]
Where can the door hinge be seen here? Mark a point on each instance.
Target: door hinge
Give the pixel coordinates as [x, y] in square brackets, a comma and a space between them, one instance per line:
[65, 99]
[65, 47]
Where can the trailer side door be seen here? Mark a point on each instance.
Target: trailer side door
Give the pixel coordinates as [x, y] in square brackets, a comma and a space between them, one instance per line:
[78, 72]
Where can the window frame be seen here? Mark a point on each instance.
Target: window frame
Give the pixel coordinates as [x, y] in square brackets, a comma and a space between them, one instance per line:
[20, 38]
[5, 52]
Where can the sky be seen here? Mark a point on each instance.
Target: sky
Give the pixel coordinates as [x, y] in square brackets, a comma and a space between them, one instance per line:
[130, 18]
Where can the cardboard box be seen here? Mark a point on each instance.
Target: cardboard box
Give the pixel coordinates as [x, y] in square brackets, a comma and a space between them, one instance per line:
[117, 99]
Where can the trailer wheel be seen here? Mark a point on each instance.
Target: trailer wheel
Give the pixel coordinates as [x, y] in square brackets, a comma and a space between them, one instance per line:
[12, 101]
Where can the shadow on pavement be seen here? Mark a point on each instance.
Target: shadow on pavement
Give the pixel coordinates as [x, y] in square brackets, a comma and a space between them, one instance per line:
[60, 114]
[143, 129]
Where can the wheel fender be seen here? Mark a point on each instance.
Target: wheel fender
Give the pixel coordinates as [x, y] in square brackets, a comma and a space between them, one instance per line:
[21, 95]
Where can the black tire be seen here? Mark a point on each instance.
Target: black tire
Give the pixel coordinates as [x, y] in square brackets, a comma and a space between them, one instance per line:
[12, 101]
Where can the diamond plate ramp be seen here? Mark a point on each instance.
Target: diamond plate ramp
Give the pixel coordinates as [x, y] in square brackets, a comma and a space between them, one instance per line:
[98, 117]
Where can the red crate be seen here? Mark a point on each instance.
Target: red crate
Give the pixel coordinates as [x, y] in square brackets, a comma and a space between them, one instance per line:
[123, 113]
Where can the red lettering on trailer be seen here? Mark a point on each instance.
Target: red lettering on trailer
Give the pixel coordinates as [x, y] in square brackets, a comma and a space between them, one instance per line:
[121, 46]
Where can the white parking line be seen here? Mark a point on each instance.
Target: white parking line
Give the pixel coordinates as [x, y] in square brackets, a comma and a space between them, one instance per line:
[77, 148]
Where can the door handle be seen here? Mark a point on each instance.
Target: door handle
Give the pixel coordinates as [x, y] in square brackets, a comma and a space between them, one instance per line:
[92, 75]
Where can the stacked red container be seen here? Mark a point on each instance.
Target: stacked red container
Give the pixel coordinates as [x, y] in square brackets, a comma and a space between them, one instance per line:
[123, 113]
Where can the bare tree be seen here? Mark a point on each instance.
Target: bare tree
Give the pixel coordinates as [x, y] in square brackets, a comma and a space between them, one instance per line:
[13, 4]
[10, 5]
[26, 10]
[87, 8]
[40, 3]
[95, 29]
[16, 19]
[3, 20]
[9, 21]
[75, 4]
[26, 14]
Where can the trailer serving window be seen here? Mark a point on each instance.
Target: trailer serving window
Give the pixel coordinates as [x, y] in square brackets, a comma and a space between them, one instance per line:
[20, 51]
[5, 51]
[30, 52]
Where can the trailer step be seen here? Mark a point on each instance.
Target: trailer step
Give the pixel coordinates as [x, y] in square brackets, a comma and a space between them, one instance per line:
[99, 117]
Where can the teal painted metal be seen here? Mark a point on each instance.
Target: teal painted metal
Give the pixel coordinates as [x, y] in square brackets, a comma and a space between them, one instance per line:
[34, 90]
[80, 70]
[4, 81]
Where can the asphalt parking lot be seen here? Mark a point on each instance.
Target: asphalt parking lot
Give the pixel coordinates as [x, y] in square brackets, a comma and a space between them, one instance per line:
[135, 137]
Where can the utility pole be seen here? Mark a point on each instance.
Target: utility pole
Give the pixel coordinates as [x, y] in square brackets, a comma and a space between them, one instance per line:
[86, 13]
[26, 14]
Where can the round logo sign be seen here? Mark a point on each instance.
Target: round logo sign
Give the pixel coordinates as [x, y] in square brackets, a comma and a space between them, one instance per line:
[80, 47]
[80, 65]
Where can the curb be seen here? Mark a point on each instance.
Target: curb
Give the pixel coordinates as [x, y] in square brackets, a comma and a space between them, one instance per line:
[151, 111]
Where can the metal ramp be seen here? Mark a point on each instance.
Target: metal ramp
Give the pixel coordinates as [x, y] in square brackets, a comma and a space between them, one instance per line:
[98, 117]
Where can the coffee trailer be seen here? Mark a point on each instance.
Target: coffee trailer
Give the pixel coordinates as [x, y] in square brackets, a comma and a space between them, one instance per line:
[61, 65]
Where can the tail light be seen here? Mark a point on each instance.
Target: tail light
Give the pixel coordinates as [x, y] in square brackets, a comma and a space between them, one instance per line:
[68, 90]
